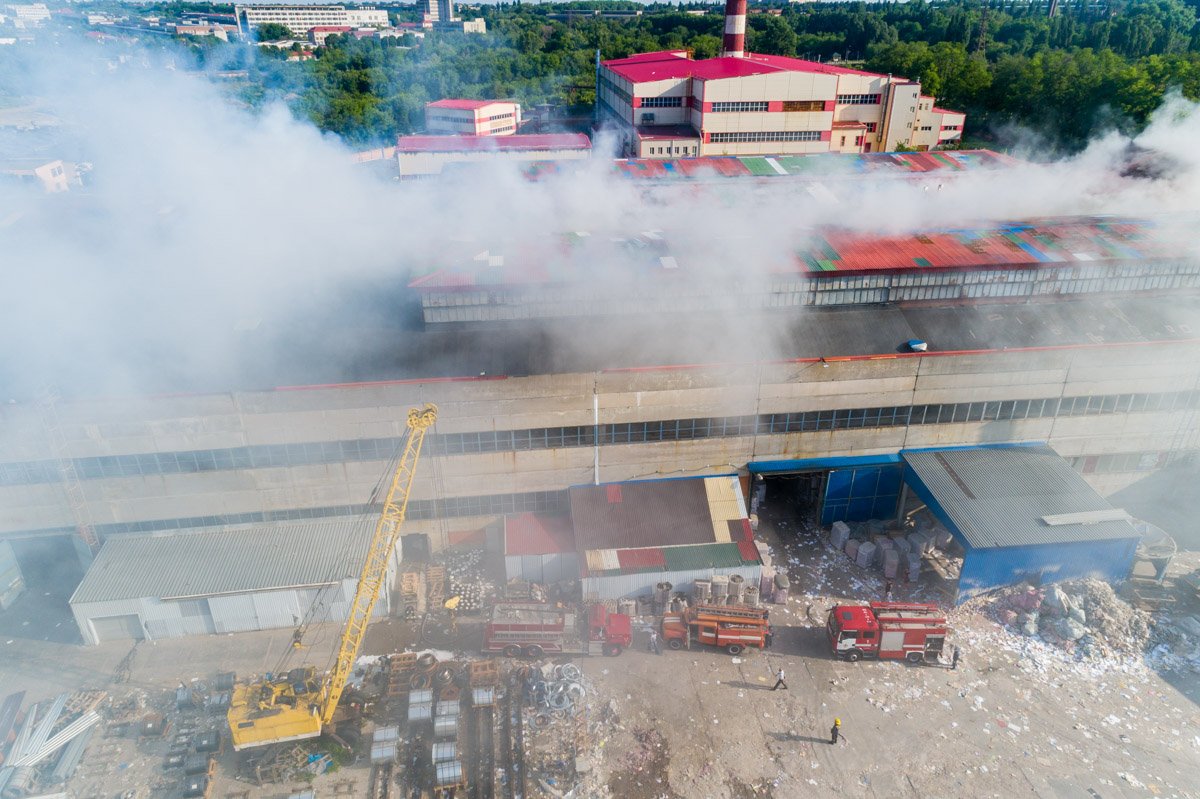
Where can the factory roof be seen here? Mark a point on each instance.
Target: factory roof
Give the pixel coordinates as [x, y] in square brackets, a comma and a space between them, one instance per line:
[519, 142]
[652, 513]
[462, 105]
[998, 496]
[537, 534]
[225, 561]
[1034, 243]
[812, 166]
[673, 64]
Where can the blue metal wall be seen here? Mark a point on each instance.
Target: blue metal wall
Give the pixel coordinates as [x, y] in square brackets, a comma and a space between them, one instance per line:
[861, 493]
[986, 569]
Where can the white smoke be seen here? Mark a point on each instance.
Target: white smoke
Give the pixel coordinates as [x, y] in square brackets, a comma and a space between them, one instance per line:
[209, 230]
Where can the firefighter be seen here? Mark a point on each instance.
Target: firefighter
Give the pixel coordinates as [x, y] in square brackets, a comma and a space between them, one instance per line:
[954, 659]
[779, 680]
[654, 647]
[835, 731]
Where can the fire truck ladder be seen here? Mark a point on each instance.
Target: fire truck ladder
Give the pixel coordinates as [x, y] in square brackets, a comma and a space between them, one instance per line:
[732, 611]
[47, 403]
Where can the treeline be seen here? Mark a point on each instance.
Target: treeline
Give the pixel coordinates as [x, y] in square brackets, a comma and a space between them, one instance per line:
[1088, 67]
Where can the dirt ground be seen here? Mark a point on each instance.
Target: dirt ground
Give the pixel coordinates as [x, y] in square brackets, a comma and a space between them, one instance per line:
[1016, 718]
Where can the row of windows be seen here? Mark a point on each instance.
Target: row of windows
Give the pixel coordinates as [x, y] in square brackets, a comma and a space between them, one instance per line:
[858, 99]
[662, 102]
[457, 507]
[803, 105]
[684, 150]
[767, 135]
[289, 455]
[1119, 462]
[509, 115]
[725, 108]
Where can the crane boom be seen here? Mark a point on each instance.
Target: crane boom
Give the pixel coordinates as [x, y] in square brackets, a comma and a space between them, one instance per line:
[387, 530]
[297, 705]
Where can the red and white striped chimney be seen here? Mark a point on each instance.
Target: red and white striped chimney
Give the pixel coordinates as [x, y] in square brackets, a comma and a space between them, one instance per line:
[734, 44]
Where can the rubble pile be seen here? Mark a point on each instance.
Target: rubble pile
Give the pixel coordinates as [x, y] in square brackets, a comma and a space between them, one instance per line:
[1085, 617]
[467, 575]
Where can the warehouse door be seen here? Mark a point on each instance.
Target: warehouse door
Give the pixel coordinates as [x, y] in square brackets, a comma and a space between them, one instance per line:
[118, 628]
[861, 493]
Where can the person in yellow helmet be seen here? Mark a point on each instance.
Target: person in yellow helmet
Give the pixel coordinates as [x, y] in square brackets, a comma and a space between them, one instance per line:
[835, 731]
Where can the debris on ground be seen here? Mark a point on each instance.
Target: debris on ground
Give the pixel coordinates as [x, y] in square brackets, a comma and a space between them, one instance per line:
[1084, 617]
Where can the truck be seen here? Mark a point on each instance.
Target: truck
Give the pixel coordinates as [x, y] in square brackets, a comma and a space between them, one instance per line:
[913, 631]
[732, 628]
[537, 628]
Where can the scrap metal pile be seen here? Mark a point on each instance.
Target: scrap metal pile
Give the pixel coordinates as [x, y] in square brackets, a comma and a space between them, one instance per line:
[468, 579]
[1085, 617]
[49, 740]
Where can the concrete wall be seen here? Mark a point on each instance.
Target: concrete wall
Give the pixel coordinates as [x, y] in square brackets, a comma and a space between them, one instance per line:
[182, 423]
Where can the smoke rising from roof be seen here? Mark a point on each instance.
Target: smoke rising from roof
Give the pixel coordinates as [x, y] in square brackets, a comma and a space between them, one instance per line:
[214, 243]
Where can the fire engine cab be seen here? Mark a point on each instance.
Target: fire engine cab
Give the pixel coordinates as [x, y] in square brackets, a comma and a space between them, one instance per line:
[909, 630]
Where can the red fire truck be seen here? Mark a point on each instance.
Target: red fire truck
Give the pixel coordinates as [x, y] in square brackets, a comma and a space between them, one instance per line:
[536, 629]
[909, 630]
[732, 628]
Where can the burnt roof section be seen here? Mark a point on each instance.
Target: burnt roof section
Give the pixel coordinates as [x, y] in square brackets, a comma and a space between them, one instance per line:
[653, 513]
[996, 496]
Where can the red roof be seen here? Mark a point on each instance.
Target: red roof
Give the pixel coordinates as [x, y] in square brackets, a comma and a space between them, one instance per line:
[468, 144]
[947, 111]
[650, 559]
[535, 534]
[461, 105]
[670, 64]
[849, 125]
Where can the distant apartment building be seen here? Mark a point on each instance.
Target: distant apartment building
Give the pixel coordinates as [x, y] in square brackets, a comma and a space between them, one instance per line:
[53, 176]
[473, 117]
[440, 15]
[195, 29]
[427, 156]
[29, 15]
[300, 19]
[667, 104]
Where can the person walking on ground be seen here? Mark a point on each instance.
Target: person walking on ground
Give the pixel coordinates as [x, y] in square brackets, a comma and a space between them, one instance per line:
[835, 731]
[654, 647]
[779, 680]
[887, 591]
[954, 659]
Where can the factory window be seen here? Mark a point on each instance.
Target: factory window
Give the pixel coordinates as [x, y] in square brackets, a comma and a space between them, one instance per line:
[843, 144]
[803, 105]
[662, 102]
[871, 126]
[858, 99]
[927, 127]
[767, 135]
[360, 450]
[725, 108]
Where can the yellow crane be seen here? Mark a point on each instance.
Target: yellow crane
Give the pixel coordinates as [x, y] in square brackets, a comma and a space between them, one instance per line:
[298, 704]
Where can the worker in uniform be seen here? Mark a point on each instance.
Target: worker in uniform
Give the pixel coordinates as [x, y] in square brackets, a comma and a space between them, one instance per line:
[779, 680]
[954, 659]
[835, 731]
[654, 647]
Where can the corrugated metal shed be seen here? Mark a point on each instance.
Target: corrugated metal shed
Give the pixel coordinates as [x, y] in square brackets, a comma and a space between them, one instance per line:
[649, 513]
[226, 561]
[997, 496]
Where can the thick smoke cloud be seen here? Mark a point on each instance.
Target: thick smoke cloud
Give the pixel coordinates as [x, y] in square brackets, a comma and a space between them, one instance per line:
[209, 231]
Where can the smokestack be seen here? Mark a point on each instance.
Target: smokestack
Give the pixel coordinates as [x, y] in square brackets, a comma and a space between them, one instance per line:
[734, 44]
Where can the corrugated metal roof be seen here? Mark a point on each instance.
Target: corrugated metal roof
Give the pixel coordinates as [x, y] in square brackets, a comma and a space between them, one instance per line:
[708, 556]
[651, 513]
[524, 142]
[537, 534]
[225, 561]
[996, 497]
[641, 560]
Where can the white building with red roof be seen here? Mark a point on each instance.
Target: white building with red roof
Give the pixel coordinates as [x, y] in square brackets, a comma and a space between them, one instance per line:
[473, 117]
[425, 156]
[667, 104]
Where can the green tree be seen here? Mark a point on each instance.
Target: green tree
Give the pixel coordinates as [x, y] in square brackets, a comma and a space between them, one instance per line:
[272, 32]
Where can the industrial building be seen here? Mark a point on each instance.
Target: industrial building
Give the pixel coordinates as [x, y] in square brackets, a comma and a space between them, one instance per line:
[540, 548]
[632, 536]
[222, 581]
[426, 156]
[1028, 260]
[300, 19]
[1021, 513]
[472, 117]
[667, 104]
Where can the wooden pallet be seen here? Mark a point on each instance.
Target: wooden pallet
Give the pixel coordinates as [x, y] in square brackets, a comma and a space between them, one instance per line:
[435, 585]
[483, 673]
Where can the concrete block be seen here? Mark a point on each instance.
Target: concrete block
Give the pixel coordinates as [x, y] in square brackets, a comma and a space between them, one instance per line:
[866, 554]
[839, 535]
[852, 548]
[891, 563]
